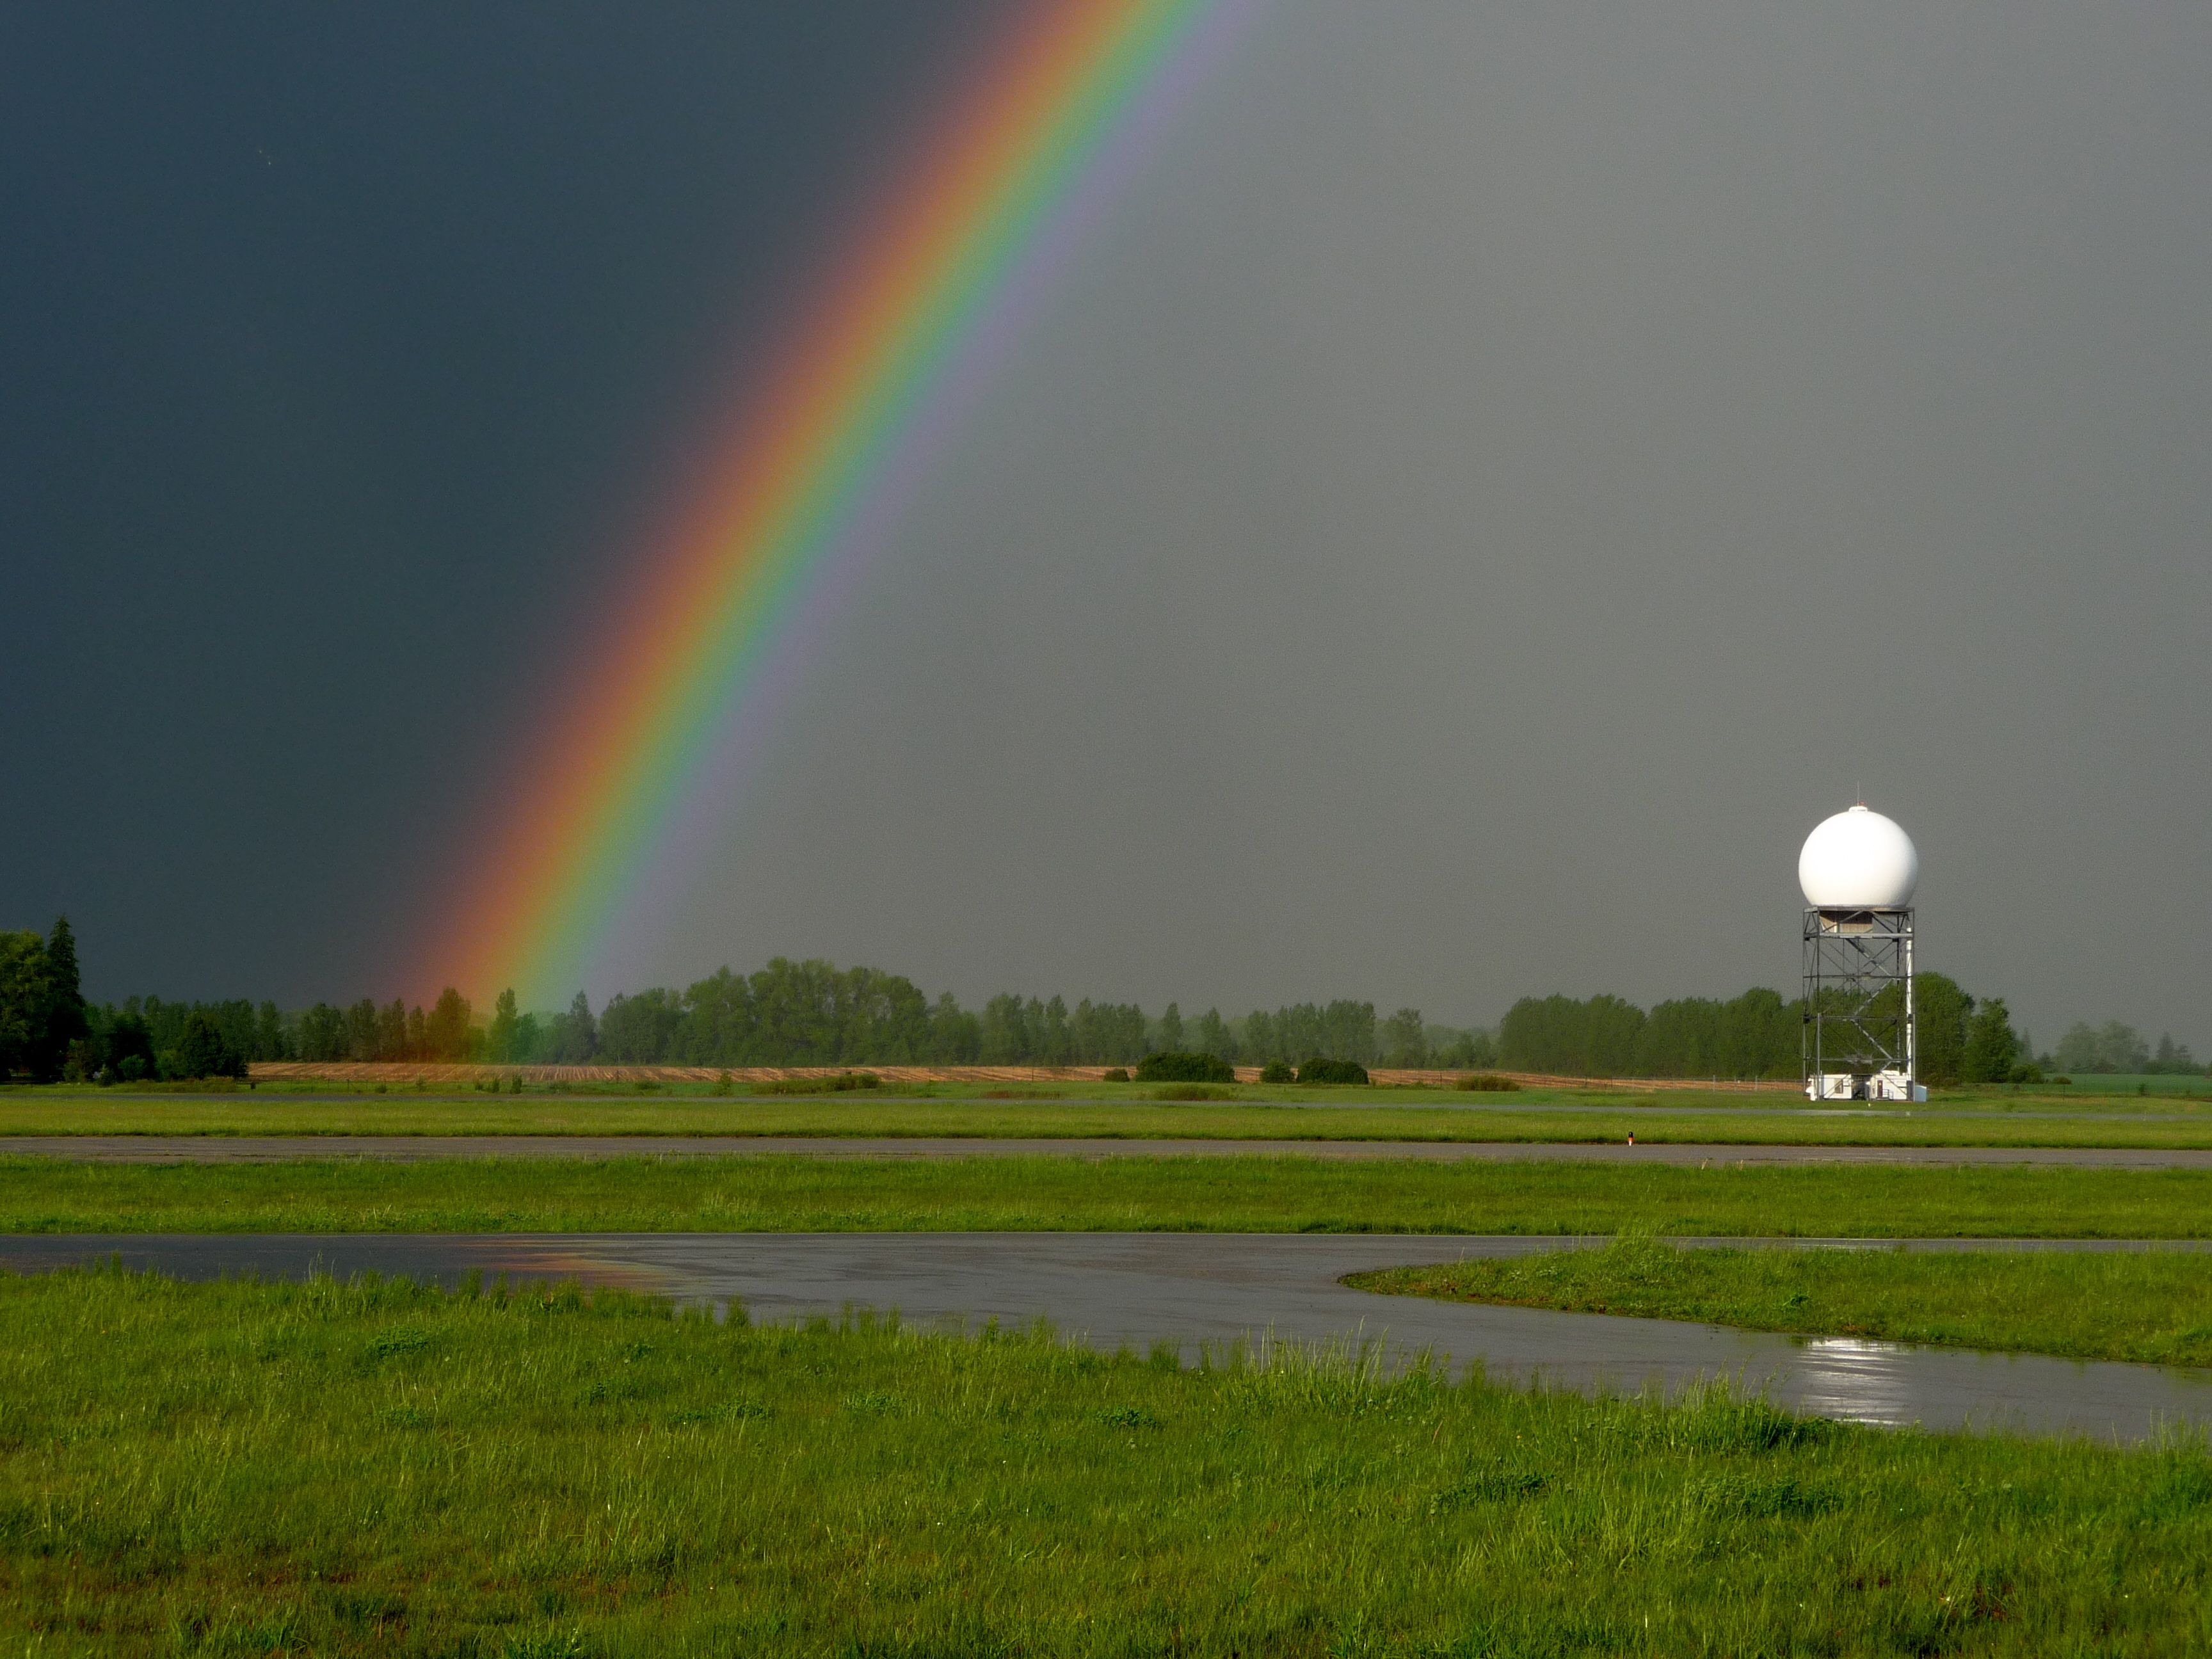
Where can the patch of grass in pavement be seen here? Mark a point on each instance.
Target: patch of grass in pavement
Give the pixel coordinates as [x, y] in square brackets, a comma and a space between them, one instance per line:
[1126, 1112]
[1225, 1194]
[377, 1468]
[2108, 1305]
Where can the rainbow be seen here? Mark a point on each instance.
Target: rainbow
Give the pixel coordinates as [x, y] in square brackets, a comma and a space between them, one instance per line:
[941, 277]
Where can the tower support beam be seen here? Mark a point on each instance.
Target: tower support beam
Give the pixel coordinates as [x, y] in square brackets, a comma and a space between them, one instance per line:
[1859, 1038]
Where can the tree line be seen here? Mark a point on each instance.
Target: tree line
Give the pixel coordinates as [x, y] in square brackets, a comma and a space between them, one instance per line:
[815, 1013]
[2116, 1046]
[1756, 1036]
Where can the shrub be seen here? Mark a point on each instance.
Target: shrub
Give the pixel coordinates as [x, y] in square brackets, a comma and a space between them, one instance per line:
[1193, 1092]
[1318, 1070]
[1275, 1072]
[1179, 1066]
[1489, 1083]
[1115, 1074]
[841, 1084]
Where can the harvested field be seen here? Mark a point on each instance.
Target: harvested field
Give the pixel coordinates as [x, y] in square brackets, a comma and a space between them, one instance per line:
[465, 1075]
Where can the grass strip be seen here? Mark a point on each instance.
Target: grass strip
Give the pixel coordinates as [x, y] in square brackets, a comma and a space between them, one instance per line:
[2146, 1306]
[1391, 1115]
[1225, 1194]
[375, 1468]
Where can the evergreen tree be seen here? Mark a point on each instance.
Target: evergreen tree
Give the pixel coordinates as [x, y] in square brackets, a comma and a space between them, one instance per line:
[1992, 1049]
[1170, 1033]
[203, 1051]
[66, 1020]
[505, 1021]
[576, 1035]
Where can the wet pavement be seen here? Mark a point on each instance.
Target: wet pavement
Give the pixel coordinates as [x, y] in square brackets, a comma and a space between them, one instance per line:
[1198, 1289]
[264, 1148]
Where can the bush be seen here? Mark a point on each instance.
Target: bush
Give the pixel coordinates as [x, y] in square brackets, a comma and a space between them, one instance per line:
[841, 1084]
[1318, 1070]
[1193, 1092]
[1115, 1074]
[1489, 1083]
[1178, 1066]
[1275, 1072]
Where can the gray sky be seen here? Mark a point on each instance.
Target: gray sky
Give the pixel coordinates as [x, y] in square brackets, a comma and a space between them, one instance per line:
[1499, 478]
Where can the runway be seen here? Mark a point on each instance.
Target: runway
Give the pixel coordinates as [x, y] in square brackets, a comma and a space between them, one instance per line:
[1201, 1290]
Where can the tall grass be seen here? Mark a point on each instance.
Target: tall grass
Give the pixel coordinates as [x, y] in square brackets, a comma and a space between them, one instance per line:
[2120, 1305]
[376, 1468]
[1229, 1194]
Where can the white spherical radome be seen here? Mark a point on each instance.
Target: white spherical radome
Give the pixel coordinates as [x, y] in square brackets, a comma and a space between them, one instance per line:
[1858, 860]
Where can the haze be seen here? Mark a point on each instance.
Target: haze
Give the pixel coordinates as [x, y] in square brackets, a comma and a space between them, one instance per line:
[1498, 477]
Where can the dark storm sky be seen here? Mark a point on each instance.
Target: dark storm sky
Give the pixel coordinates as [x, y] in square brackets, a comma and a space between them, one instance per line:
[1497, 479]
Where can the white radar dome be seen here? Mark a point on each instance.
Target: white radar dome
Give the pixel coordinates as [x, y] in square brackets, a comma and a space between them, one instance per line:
[1858, 860]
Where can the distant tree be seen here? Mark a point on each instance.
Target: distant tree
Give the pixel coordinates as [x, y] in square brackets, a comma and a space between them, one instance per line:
[506, 1022]
[574, 1038]
[1992, 1047]
[1298, 1031]
[24, 996]
[1055, 1041]
[392, 1031]
[1405, 1039]
[66, 1020]
[956, 1036]
[125, 1048]
[362, 1023]
[273, 1034]
[2124, 1046]
[1209, 1034]
[1170, 1036]
[42, 1010]
[642, 1029]
[1451, 1047]
[1258, 1040]
[1568, 1038]
[1005, 1034]
[445, 1030]
[1941, 1013]
[204, 1052]
[2173, 1058]
[2114, 1046]
[322, 1033]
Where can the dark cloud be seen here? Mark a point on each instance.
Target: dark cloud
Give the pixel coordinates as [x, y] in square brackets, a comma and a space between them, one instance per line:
[1498, 479]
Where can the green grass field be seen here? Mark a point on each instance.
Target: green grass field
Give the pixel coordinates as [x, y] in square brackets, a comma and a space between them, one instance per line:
[1133, 1113]
[2146, 1306]
[379, 1469]
[1264, 1194]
